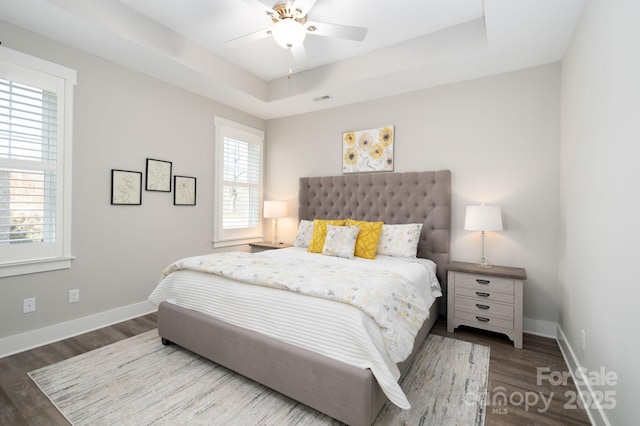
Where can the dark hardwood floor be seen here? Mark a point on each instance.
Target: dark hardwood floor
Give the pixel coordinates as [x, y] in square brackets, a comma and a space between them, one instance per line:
[514, 395]
[512, 374]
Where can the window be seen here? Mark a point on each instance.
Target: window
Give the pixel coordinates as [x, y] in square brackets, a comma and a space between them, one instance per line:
[35, 164]
[237, 218]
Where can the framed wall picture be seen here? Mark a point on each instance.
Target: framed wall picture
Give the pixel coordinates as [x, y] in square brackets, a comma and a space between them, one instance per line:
[158, 175]
[184, 191]
[126, 187]
[368, 150]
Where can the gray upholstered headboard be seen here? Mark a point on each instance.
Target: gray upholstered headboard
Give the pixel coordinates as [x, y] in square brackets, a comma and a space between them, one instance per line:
[414, 197]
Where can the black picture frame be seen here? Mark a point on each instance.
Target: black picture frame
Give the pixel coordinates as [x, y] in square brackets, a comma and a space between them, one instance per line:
[158, 175]
[184, 191]
[126, 188]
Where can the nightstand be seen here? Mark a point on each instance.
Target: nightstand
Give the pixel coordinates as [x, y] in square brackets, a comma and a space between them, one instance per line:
[265, 245]
[486, 298]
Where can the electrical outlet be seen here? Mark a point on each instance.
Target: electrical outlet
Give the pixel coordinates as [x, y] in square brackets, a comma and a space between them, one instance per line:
[74, 296]
[583, 337]
[29, 305]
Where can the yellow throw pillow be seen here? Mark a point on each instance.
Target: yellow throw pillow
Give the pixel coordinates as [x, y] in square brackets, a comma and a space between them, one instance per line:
[368, 238]
[320, 233]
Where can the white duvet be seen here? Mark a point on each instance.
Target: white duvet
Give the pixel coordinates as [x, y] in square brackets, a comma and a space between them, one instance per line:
[336, 330]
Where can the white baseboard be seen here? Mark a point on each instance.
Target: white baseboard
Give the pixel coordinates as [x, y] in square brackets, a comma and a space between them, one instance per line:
[596, 414]
[43, 336]
[539, 327]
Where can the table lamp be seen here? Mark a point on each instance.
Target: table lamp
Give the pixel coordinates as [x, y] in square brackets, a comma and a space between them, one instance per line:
[274, 210]
[483, 218]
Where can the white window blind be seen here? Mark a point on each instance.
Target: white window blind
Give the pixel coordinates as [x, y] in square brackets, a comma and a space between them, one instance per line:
[28, 133]
[239, 183]
[36, 103]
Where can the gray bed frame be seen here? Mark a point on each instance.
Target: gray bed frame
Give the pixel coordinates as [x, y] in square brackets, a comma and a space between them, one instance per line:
[346, 393]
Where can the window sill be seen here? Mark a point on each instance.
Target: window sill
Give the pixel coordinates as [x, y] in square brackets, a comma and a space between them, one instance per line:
[34, 266]
[236, 242]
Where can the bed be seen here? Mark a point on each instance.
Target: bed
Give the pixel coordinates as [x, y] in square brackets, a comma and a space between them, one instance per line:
[312, 375]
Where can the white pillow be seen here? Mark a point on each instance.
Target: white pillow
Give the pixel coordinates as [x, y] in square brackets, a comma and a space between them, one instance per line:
[305, 231]
[399, 240]
[341, 241]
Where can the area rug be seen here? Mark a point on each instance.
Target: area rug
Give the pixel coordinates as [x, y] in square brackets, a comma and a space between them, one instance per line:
[139, 381]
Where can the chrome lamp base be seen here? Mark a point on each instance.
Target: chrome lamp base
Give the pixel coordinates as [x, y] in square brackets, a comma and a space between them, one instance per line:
[483, 263]
[274, 236]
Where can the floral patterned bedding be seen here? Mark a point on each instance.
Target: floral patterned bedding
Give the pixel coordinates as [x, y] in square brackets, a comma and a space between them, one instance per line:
[387, 297]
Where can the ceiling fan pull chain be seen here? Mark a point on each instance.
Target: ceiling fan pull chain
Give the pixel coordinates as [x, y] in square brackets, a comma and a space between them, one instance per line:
[290, 64]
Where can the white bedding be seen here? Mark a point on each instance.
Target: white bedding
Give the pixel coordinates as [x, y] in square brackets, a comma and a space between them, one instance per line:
[335, 330]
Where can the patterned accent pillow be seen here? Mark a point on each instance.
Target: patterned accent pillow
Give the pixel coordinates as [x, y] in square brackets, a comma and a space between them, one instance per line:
[400, 240]
[340, 241]
[320, 233]
[368, 238]
[305, 231]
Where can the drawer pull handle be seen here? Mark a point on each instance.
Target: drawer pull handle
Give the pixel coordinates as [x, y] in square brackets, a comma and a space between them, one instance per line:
[479, 306]
[482, 294]
[482, 319]
[479, 281]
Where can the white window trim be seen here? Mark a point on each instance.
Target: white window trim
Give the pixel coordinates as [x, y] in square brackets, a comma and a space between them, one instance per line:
[218, 239]
[67, 80]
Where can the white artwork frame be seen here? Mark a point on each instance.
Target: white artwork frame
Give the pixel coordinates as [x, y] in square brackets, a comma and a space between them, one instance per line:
[368, 150]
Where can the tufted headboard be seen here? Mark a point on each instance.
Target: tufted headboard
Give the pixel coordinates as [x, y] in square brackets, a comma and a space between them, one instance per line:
[414, 197]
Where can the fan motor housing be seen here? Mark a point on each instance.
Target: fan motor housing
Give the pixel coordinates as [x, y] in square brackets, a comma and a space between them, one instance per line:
[285, 11]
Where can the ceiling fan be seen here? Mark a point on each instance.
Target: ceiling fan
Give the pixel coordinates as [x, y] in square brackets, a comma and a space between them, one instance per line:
[291, 26]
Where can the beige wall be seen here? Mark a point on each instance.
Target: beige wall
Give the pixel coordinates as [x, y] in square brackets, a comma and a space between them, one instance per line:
[599, 229]
[499, 136]
[121, 118]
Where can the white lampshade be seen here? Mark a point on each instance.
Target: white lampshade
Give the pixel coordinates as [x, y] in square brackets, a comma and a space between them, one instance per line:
[483, 218]
[288, 33]
[275, 209]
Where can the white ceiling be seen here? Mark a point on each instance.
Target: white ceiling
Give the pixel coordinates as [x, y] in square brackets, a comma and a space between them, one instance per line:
[410, 45]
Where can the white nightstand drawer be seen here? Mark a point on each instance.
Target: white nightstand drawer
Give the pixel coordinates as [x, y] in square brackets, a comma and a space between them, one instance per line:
[484, 283]
[486, 298]
[484, 320]
[483, 294]
[484, 308]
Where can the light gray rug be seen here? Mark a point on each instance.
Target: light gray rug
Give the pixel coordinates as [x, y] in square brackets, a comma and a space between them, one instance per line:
[138, 381]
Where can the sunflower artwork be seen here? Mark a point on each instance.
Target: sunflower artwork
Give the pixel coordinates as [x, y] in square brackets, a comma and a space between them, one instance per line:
[368, 150]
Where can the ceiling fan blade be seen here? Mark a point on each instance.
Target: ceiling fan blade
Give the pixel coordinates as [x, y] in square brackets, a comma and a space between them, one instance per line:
[336, 30]
[303, 5]
[258, 35]
[260, 6]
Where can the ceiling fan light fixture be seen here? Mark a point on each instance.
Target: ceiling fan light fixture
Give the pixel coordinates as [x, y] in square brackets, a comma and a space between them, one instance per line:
[288, 33]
